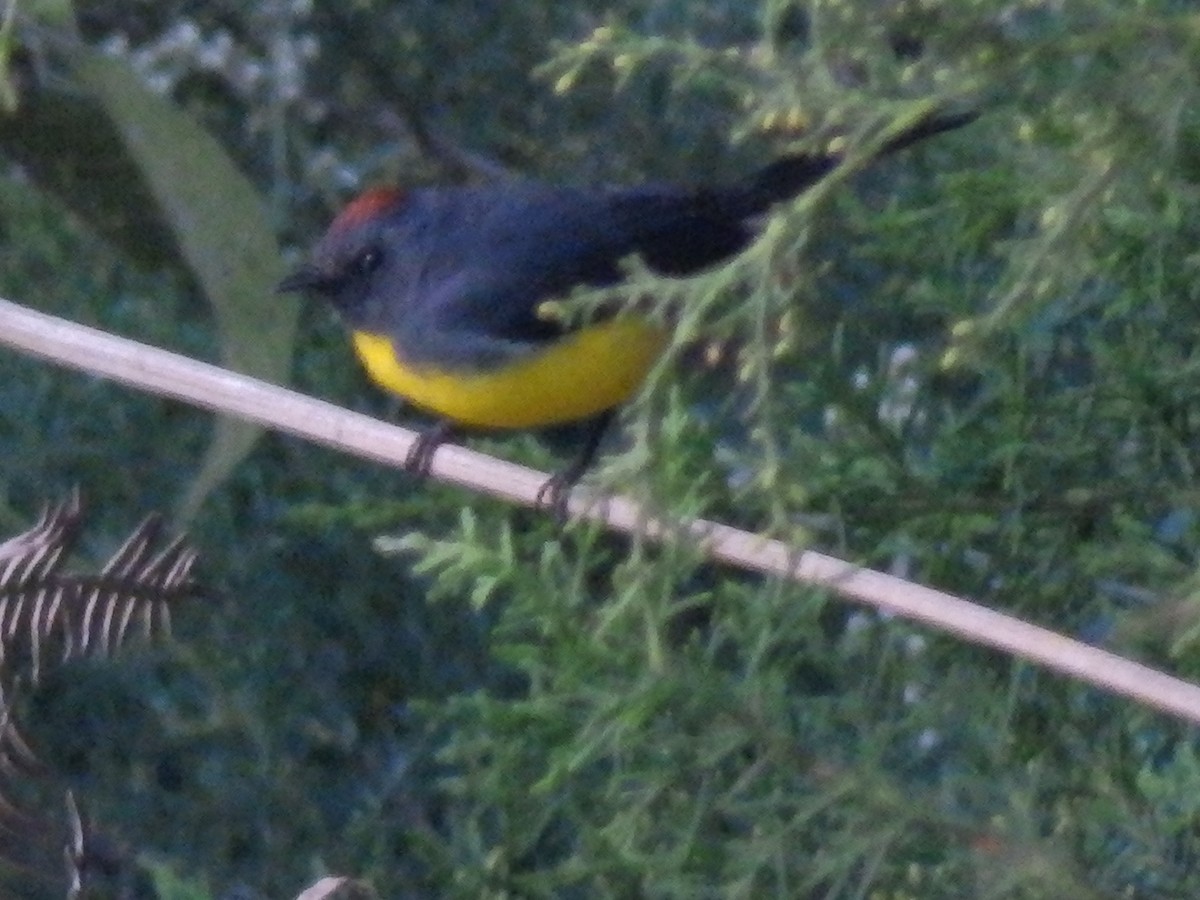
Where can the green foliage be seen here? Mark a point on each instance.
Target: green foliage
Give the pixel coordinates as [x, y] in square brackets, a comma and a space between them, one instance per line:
[170, 886]
[234, 266]
[973, 364]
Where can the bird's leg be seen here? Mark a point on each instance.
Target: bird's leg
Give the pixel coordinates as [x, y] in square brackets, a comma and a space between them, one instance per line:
[420, 454]
[554, 494]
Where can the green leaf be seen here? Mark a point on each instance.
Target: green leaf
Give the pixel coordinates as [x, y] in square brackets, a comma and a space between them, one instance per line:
[224, 235]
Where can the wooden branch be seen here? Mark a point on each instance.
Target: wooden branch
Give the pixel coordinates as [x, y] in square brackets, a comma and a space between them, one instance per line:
[220, 390]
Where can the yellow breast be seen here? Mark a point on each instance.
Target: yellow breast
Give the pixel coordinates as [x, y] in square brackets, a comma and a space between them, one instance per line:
[579, 376]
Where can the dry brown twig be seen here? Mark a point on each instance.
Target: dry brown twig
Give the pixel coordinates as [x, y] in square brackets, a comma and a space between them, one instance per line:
[49, 616]
[43, 609]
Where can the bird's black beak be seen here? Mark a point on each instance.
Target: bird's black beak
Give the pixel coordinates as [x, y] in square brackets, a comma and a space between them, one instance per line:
[305, 278]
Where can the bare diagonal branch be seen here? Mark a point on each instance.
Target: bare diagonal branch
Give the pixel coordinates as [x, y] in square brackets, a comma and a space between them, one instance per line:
[211, 387]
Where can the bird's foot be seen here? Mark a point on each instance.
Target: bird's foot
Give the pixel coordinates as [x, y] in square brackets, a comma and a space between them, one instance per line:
[420, 454]
[555, 494]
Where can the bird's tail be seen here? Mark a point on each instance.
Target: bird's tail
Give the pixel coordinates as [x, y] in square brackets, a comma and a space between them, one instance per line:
[793, 174]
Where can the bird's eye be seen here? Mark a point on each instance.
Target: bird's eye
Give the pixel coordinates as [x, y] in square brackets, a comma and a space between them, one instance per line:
[368, 261]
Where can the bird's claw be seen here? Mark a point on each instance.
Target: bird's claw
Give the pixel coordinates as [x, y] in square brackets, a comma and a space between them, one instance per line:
[419, 459]
[555, 494]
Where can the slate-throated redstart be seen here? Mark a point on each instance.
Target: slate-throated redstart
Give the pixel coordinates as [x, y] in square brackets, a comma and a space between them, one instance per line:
[441, 289]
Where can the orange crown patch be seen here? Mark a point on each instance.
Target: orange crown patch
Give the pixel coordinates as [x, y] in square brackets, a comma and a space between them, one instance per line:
[367, 206]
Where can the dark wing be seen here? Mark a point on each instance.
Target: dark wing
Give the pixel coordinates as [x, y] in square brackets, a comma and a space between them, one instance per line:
[501, 251]
[489, 256]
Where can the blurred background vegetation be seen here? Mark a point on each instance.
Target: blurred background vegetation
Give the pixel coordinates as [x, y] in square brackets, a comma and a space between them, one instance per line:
[974, 365]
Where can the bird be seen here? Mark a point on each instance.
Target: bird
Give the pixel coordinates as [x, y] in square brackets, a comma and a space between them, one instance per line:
[444, 290]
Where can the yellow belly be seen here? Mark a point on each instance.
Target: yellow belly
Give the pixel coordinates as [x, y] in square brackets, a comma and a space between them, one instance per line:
[579, 376]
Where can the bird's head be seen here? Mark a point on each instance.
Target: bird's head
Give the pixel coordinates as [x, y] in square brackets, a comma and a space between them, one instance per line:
[350, 260]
